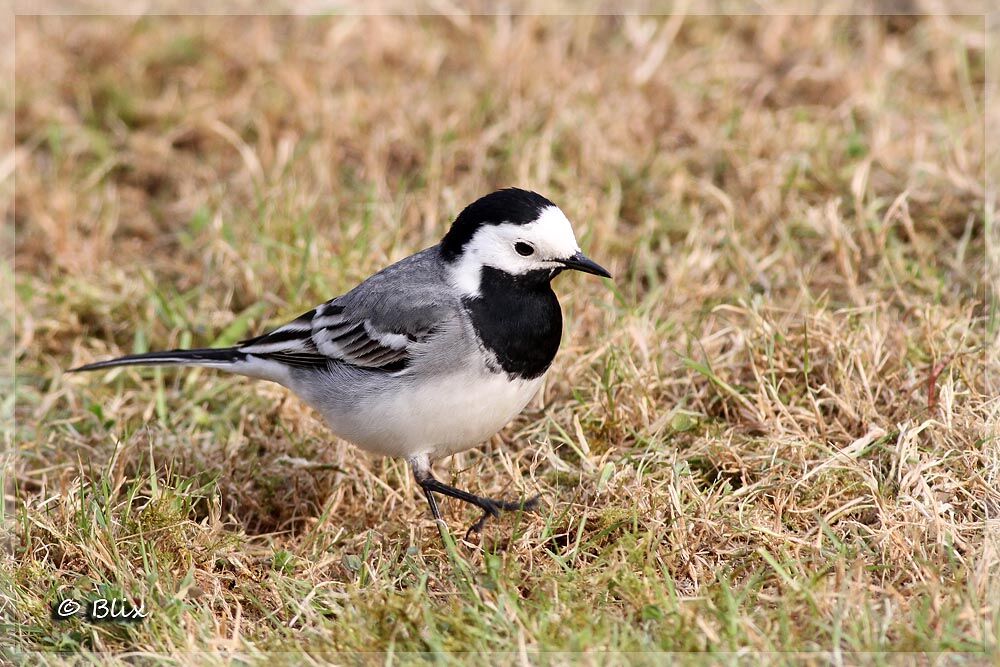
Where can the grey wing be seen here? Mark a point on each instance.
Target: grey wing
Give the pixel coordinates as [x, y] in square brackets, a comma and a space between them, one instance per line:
[372, 328]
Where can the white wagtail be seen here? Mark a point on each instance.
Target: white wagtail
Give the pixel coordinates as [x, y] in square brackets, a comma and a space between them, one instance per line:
[432, 355]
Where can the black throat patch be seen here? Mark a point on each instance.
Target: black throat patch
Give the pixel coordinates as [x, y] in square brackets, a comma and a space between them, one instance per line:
[518, 319]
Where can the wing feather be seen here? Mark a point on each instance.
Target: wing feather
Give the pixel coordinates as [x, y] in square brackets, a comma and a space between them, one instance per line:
[377, 325]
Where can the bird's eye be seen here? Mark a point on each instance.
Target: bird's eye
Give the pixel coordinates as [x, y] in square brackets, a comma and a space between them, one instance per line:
[524, 249]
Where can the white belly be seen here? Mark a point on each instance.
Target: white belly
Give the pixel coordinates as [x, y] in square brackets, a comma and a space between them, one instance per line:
[443, 416]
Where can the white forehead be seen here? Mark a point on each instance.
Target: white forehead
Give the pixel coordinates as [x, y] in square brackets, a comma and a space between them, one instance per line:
[493, 245]
[551, 232]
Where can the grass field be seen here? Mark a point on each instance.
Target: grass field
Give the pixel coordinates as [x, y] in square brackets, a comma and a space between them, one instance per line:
[775, 432]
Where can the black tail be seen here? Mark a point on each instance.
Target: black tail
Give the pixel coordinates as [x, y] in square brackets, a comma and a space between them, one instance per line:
[203, 357]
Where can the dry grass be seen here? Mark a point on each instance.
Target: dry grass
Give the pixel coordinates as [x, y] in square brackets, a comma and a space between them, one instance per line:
[776, 434]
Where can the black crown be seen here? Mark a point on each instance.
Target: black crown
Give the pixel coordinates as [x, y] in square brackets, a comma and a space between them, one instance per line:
[510, 205]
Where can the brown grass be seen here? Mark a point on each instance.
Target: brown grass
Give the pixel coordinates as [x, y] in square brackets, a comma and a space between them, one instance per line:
[775, 434]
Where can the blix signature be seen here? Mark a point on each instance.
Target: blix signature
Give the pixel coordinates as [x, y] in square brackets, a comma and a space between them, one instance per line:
[100, 610]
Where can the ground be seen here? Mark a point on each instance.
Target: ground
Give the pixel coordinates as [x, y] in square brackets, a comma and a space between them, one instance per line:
[775, 431]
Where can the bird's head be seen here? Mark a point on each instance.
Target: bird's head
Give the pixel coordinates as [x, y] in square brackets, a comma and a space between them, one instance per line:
[515, 231]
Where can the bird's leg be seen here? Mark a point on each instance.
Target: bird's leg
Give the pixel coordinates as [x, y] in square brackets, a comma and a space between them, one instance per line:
[491, 508]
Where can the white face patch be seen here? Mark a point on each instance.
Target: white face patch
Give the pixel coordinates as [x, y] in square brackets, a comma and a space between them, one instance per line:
[550, 237]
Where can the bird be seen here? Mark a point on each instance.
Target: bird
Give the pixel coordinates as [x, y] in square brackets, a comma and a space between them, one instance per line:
[432, 355]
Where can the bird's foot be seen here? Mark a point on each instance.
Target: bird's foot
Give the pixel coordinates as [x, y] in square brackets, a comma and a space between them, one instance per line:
[492, 508]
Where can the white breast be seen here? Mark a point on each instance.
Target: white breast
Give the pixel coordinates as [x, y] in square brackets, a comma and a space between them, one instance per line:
[444, 415]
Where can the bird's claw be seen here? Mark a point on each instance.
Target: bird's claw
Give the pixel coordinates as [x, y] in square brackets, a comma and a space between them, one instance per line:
[494, 508]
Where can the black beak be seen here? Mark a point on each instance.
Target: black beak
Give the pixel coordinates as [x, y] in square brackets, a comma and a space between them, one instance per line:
[581, 262]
